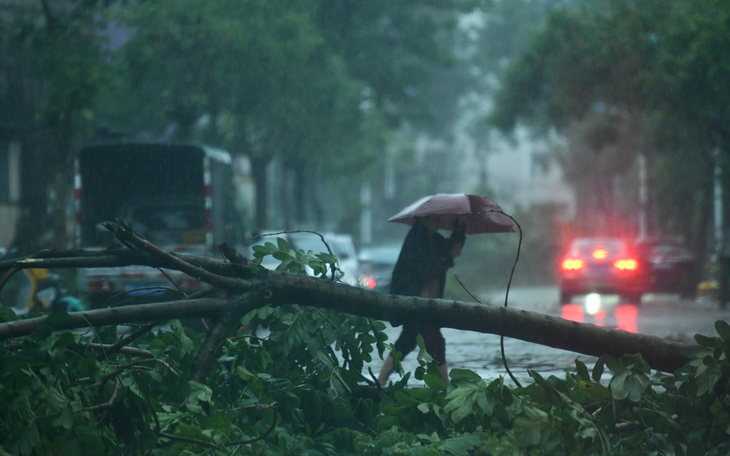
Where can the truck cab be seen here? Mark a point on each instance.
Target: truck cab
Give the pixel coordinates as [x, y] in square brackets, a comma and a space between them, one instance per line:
[177, 196]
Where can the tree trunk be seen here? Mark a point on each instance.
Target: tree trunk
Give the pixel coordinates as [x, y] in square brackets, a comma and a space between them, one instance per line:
[32, 231]
[300, 193]
[62, 183]
[285, 195]
[703, 227]
[259, 166]
[283, 288]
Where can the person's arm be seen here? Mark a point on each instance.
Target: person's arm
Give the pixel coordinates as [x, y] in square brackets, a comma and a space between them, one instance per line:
[455, 243]
[458, 233]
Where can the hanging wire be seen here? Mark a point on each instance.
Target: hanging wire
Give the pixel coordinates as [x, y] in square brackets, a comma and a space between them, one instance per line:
[506, 295]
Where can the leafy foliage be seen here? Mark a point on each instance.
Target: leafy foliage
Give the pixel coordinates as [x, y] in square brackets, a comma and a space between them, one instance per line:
[296, 261]
[296, 385]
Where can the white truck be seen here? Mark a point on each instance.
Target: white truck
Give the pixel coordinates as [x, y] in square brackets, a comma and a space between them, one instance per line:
[179, 197]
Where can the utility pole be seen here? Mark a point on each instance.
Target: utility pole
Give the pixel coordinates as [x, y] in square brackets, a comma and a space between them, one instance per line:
[643, 197]
[718, 253]
[366, 215]
[719, 237]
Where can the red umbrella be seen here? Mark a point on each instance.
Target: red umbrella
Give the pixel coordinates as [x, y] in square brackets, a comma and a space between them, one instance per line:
[446, 207]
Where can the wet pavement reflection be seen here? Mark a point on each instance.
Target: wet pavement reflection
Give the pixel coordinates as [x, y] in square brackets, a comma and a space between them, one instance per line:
[660, 315]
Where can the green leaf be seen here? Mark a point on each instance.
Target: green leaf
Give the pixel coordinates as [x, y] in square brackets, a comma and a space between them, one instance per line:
[460, 401]
[7, 314]
[710, 342]
[723, 329]
[594, 390]
[617, 385]
[636, 385]
[282, 244]
[629, 385]
[56, 399]
[615, 365]
[485, 400]
[423, 407]
[29, 439]
[404, 399]
[582, 370]
[65, 419]
[462, 445]
[464, 376]
[435, 382]
[598, 370]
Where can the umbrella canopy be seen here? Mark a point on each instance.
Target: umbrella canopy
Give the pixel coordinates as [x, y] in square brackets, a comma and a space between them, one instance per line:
[447, 207]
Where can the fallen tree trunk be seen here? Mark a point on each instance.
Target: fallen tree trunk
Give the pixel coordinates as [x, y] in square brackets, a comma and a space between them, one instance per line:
[248, 286]
[286, 288]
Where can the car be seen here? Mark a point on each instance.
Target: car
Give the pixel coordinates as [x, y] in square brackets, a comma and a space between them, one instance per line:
[669, 266]
[601, 265]
[377, 263]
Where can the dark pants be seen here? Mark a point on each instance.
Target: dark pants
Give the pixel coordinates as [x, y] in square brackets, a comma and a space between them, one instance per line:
[432, 337]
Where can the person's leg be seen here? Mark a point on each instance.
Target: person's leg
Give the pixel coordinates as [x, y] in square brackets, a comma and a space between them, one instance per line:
[444, 369]
[386, 370]
[405, 344]
[436, 347]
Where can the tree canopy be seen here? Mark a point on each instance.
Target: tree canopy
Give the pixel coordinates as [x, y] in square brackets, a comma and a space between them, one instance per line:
[625, 78]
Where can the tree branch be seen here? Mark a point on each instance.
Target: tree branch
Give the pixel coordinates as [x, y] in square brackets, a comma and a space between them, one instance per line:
[124, 233]
[287, 288]
[222, 328]
[141, 313]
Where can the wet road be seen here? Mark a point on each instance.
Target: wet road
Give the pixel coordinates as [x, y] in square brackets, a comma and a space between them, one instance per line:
[660, 315]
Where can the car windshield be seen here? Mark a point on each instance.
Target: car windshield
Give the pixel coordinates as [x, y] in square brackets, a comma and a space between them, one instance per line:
[165, 218]
[342, 248]
[586, 247]
[384, 254]
[307, 242]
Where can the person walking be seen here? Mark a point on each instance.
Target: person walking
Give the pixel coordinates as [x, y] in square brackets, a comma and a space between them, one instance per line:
[420, 270]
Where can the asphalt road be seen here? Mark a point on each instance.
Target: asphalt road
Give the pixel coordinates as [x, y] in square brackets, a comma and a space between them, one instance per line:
[660, 315]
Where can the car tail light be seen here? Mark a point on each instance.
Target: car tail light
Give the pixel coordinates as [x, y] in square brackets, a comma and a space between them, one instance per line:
[600, 254]
[367, 281]
[626, 265]
[101, 285]
[573, 264]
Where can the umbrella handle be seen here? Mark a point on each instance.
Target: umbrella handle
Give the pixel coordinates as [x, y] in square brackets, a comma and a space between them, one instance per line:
[458, 234]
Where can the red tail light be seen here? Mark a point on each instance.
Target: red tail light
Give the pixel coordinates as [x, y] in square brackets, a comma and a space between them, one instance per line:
[626, 265]
[367, 281]
[572, 264]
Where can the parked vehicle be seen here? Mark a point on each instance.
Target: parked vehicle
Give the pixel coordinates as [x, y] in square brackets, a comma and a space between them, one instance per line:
[601, 265]
[37, 291]
[377, 264]
[669, 267]
[179, 197]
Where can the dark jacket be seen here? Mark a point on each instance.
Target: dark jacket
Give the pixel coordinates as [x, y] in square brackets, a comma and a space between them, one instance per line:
[421, 258]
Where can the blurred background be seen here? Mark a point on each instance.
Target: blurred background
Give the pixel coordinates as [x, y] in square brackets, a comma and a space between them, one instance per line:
[580, 118]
